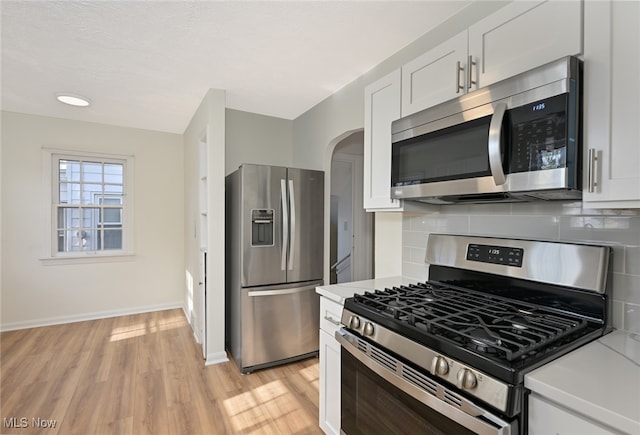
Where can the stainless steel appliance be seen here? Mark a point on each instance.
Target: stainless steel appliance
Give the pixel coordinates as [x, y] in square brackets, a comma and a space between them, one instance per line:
[274, 257]
[449, 355]
[516, 140]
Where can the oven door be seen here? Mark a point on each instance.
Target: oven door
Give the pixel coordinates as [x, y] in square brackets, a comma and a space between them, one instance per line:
[381, 394]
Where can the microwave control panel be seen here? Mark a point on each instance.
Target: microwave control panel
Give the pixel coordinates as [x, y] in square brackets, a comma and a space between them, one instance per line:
[539, 135]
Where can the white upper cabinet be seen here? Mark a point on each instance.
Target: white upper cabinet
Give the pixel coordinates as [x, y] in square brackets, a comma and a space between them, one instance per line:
[436, 76]
[612, 104]
[381, 107]
[518, 37]
[522, 36]
[514, 39]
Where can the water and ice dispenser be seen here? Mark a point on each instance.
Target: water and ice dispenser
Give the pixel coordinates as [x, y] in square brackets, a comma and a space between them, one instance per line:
[262, 227]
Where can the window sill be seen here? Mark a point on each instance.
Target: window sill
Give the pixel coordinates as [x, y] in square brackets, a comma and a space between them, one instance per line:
[88, 258]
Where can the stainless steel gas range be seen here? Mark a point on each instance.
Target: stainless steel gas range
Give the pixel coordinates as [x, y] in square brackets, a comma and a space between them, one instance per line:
[450, 355]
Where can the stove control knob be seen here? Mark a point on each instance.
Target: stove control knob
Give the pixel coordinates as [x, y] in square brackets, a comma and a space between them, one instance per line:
[368, 329]
[466, 379]
[439, 366]
[354, 322]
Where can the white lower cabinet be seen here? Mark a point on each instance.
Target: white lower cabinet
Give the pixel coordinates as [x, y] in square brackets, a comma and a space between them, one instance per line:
[329, 381]
[546, 418]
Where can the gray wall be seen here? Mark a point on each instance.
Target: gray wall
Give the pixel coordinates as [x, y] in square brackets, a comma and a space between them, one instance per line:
[259, 139]
[314, 130]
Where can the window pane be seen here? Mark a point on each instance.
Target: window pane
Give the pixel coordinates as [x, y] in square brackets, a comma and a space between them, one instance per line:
[64, 195]
[112, 239]
[113, 173]
[113, 188]
[68, 217]
[68, 170]
[90, 217]
[92, 172]
[112, 216]
[71, 241]
[92, 194]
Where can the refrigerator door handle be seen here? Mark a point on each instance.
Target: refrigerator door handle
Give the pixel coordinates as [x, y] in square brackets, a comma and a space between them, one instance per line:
[292, 208]
[256, 293]
[285, 225]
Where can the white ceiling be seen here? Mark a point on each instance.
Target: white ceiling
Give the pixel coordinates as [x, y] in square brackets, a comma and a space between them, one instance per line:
[148, 64]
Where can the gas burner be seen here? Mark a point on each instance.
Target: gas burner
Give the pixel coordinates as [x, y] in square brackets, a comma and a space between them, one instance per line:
[519, 323]
[483, 341]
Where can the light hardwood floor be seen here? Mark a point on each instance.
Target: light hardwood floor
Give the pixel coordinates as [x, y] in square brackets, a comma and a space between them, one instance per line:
[144, 374]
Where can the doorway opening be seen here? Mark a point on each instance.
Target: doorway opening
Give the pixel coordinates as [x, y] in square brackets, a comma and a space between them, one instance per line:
[351, 229]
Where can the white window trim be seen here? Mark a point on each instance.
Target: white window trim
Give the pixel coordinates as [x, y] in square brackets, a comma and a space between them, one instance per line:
[50, 254]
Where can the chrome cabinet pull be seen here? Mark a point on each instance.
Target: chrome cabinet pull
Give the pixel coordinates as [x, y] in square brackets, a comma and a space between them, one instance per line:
[459, 68]
[591, 173]
[332, 320]
[470, 66]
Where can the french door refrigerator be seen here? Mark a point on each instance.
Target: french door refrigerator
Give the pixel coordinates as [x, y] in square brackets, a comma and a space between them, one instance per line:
[274, 261]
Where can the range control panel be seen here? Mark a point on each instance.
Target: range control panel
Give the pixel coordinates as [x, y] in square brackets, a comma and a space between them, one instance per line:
[506, 256]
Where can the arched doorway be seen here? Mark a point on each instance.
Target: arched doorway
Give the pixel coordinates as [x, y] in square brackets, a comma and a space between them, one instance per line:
[351, 228]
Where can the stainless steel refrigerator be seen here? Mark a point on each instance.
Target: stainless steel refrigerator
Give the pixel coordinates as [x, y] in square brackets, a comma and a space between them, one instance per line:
[274, 258]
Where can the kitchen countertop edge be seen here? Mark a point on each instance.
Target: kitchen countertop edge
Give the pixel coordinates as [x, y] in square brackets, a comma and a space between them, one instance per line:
[571, 381]
[339, 292]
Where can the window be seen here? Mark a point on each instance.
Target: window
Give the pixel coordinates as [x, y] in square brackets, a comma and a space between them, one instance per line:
[90, 204]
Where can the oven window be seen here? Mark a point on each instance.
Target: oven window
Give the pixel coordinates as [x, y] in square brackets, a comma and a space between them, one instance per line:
[372, 405]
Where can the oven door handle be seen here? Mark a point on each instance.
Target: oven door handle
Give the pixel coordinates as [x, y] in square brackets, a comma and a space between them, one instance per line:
[468, 413]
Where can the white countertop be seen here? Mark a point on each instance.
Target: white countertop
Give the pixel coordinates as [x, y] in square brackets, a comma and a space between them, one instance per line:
[339, 292]
[600, 380]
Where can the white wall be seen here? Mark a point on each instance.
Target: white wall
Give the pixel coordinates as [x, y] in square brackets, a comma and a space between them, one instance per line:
[208, 125]
[35, 292]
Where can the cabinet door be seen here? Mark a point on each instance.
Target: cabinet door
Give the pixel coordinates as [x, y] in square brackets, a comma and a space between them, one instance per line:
[546, 418]
[522, 36]
[436, 76]
[611, 105]
[381, 107]
[329, 384]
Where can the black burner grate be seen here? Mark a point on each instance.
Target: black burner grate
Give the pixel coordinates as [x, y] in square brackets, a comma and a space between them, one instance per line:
[488, 324]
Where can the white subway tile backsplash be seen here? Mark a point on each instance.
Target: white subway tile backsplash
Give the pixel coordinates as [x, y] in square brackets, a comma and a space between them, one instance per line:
[632, 317]
[624, 230]
[626, 288]
[617, 312]
[619, 255]
[632, 260]
[553, 220]
[415, 272]
[414, 239]
[536, 227]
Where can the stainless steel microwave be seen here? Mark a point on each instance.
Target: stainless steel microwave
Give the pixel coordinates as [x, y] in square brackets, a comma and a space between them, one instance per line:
[515, 140]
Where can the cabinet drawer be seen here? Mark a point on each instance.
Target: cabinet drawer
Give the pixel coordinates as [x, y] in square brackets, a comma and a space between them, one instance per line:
[330, 314]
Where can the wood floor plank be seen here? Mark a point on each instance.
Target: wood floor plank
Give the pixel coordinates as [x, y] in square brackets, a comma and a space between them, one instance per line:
[144, 374]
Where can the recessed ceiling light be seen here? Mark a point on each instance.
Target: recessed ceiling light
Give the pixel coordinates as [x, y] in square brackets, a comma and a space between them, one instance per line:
[73, 100]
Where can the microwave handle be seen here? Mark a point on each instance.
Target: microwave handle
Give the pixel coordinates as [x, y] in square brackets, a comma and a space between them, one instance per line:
[495, 156]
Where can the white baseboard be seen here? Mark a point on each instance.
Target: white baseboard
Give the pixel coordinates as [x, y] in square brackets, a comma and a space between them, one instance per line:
[89, 316]
[216, 358]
